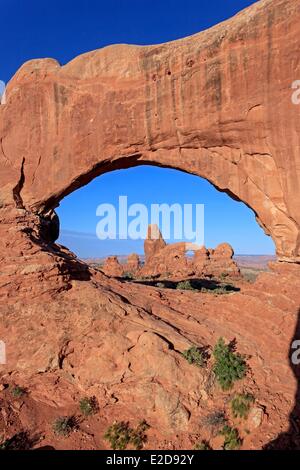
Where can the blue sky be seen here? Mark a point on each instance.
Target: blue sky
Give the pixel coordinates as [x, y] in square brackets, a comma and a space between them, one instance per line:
[63, 29]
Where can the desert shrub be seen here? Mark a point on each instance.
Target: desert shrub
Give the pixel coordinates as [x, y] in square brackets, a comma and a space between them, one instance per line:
[224, 275]
[64, 425]
[138, 435]
[185, 285]
[229, 366]
[240, 405]
[128, 275]
[216, 419]
[232, 440]
[120, 435]
[18, 392]
[88, 406]
[217, 290]
[203, 445]
[195, 356]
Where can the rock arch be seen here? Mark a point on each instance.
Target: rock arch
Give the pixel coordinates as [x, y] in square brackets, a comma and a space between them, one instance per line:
[216, 104]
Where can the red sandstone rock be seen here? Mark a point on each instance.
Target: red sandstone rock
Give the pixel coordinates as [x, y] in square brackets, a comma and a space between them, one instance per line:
[112, 267]
[217, 105]
[224, 250]
[207, 104]
[166, 260]
[133, 263]
[154, 242]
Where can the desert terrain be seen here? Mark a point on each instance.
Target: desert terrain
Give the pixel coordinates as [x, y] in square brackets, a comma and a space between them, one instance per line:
[174, 353]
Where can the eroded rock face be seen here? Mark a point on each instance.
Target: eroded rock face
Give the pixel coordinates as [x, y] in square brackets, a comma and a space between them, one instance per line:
[133, 263]
[216, 104]
[154, 242]
[112, 267]
[172, 259]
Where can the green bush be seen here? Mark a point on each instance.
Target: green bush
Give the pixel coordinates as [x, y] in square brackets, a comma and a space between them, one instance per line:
[232, 440]
[240, 405]
[216, 291]
[120, 435]
[88, 406]
[203, 445]
[64, 425]
[195, 356]
[229, 366]
[138, 435]
[18, 392]
[185, 285]
[128, 275]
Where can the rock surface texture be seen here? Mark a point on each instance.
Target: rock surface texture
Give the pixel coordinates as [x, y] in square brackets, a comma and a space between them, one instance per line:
[218, 105]
[172, 260]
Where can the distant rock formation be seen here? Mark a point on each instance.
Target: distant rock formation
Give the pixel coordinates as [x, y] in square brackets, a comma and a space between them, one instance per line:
[112, 267]
[217, 104]
[172, 260]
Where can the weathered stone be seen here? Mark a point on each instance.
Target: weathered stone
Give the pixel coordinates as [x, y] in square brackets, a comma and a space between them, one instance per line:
[112, 267]
[166, 260]
[217, 105]
[207, 104]
[133, 263]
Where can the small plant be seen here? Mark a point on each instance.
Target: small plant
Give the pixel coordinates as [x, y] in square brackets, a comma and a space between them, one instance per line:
[128, 275]
[216, 291]
[138, 435]
[120, 435]
[240, 405]
[203, 445]
[185, 285]
[232, 440]
[224, 275]
[216, 419]
[229, 366]
[88, 406]
[64, 425]
[196, 356]
[18, 392]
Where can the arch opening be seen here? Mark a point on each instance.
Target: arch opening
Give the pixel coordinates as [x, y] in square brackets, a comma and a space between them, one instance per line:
[226, 219]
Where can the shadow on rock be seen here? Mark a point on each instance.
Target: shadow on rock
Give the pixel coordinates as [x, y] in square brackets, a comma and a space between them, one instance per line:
[290, 440]
[201, 285]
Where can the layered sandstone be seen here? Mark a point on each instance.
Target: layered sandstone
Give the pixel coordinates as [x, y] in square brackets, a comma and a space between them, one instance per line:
[216, 104]
[174, 259]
